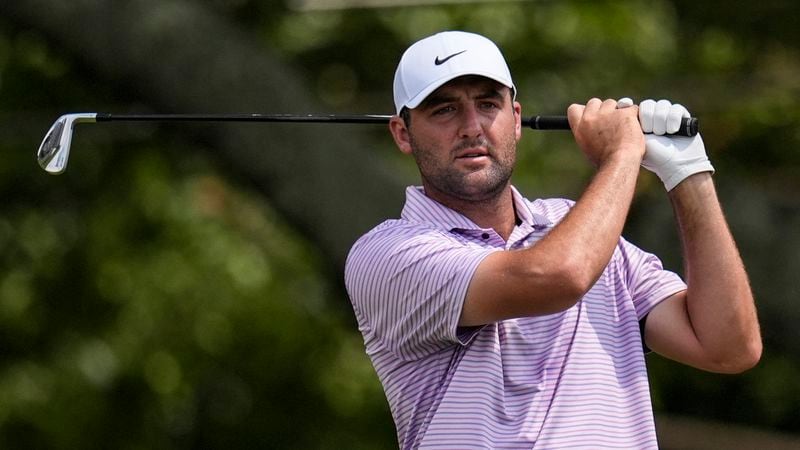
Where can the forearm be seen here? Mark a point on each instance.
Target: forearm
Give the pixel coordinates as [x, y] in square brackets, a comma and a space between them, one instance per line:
[585, 240]
[719, 300]
[556, 272]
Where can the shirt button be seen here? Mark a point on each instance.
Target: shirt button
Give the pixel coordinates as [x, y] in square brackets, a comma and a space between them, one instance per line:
[485, 235]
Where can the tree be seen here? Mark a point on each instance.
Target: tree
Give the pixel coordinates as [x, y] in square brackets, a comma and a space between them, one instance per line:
[180, 285]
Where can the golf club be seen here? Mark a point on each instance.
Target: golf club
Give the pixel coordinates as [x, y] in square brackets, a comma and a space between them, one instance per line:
[53, 153]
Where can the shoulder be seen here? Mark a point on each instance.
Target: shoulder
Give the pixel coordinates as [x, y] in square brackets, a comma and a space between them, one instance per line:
[397, 231]
[553, 209]
[395, 237]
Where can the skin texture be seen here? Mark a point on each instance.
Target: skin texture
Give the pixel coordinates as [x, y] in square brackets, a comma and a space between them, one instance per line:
[463, 138]
[713, 324]
[464, 143]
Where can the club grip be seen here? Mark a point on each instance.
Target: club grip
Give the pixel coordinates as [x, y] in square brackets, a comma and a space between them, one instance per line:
[689, 125]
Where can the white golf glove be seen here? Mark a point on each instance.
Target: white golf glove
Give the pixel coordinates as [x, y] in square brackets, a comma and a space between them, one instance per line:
[672, 158]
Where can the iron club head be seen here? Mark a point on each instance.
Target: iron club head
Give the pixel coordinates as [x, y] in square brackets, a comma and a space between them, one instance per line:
[53, 153]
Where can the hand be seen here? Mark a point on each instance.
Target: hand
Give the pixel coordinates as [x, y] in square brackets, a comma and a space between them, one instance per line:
[672, 158]
[603, 129]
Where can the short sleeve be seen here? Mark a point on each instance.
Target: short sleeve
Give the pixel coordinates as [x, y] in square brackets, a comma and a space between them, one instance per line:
[408, 285]
[647, 281]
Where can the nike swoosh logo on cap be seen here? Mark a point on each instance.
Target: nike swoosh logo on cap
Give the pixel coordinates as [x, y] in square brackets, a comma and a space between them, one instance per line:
[439, 62]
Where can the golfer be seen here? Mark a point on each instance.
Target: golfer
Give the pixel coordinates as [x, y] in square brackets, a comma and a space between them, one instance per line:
[494, 321]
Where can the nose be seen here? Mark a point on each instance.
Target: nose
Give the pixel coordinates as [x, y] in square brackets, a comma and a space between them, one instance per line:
[470, 126]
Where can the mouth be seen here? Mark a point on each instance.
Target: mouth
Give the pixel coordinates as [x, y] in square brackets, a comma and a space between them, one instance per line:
[472, 153]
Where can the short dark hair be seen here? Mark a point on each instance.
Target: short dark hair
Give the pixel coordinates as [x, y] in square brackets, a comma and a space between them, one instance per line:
[405, 114]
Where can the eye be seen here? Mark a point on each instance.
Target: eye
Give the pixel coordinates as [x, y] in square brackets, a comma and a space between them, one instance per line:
[487, 105]
[442, 110]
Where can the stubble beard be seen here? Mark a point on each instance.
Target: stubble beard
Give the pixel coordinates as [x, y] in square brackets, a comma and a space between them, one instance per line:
[483, 185]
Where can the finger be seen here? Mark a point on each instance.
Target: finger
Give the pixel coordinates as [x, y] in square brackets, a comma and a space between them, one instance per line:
[574, 114]
[593, 105]
[608, 105]
[660, 117]
[624, 102]
[646, 110]
[676, 113]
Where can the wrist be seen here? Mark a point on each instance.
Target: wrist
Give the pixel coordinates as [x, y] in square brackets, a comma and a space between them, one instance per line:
[625, 155]
[680, 174]
[697, 182]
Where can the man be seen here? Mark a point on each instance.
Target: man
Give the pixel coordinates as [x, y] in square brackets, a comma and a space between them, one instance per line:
[497, 322]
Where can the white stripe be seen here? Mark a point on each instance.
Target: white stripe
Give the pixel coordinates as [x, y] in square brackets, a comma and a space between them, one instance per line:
[574, 379]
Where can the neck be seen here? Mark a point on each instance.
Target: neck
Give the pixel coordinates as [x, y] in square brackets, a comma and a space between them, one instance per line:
[496, 212]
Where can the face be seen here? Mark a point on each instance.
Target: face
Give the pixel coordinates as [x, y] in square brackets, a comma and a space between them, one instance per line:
[463, 138]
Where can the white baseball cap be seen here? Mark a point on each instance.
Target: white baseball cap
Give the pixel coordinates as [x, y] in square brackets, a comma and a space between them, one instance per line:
[435, 60]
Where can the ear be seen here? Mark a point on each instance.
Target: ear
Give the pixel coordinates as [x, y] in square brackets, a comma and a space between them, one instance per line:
[400, 134]
[518, 120]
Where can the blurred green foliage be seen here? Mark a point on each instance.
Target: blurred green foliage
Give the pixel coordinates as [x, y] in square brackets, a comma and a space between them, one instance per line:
[150, 300]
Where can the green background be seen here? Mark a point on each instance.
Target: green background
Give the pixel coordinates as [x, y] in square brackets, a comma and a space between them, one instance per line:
[180, 285]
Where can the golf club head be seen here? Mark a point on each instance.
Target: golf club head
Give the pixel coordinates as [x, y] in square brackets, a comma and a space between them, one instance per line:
[53, 153]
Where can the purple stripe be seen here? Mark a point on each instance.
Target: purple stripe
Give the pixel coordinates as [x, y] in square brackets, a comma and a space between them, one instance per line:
[575, 379]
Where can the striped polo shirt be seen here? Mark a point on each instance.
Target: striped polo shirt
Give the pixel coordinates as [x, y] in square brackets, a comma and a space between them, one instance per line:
[574, 379]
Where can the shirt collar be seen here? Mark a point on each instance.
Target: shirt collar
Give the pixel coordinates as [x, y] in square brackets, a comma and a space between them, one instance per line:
[421, 208]
[524, 213]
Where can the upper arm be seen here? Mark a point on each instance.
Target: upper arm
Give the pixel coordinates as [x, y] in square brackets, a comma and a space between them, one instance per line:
[669, 332]
[408, 288]
[519, 283]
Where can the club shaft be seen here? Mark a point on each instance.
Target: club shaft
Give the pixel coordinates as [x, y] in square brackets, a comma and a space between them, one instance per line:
[689, 125]
[309, 118]
[53, 152]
